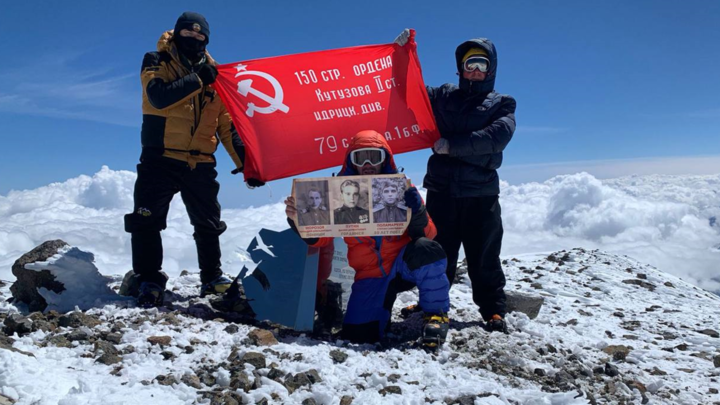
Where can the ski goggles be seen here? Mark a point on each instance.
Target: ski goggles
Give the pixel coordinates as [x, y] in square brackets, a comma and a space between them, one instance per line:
[374, 156]
[476, 62]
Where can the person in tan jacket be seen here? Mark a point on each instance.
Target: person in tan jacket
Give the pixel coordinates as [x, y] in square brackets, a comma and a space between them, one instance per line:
[183, 122]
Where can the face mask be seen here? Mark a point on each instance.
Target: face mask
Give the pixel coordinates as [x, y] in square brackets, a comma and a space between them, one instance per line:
[191, 48]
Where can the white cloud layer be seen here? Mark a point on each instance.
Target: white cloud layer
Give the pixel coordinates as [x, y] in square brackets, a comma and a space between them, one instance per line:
[662, 220]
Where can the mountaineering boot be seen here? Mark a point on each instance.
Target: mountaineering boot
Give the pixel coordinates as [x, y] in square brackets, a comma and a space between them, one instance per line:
[496, 324]
[216, 286]
[409, 310]
[435, 330]
[151, 295]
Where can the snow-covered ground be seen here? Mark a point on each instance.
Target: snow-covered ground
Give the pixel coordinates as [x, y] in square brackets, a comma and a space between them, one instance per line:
[603, 314]
[667, 221]
[601, 307]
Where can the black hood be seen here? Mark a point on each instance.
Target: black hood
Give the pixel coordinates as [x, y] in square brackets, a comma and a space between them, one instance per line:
[487, 85]
[191, 48]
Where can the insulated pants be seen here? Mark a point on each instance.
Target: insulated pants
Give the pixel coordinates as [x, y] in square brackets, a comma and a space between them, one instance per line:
[474, 222]
[421, 263]
[159, 179]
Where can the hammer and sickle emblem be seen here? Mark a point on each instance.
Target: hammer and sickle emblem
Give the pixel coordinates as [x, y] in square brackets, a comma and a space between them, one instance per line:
[244, 87]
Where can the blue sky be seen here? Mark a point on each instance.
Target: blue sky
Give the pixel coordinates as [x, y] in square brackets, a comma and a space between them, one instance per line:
[609, 81]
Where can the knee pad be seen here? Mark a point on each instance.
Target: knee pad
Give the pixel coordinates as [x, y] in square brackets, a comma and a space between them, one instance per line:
[141, 221]
[421, 252]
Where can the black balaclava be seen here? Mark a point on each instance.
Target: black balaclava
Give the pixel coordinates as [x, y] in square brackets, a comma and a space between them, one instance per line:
[189, 47]
[486, 86]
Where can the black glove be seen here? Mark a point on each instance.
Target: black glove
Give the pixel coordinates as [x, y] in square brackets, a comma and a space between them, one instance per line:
[207, 73]
[252, 183]
[413, 199]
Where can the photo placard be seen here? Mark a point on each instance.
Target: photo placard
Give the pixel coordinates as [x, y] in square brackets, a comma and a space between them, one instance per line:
[351, 206]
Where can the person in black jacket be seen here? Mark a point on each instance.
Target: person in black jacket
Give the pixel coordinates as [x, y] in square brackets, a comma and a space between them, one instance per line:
[476, 124]
[184, 120]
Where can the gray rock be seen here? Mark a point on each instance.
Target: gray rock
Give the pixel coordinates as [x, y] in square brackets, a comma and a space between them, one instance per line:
[166, 379]
[669, 284]
[710, 332]
[528, 304]
[716, 361]
[586, 372]
[276, 374]
[539, 372]
[114, 338]
[390, 389]
[58, 341]
[669, 335]
[338, 356]
[232, 328]
[19, 324]
[293, 382]
[167, 355]
[25, 289]
[78, 335]
[102, 346]
[619, 352]
[5, 400]
[346, 400]
[77, 319]
[611, 370]
[7, 344]
[314, 376]
[254, 358]
[563, 376]
[240, 381]
[465, 400]
[641, 283]
[160, 340]
[309, 401]
[191, 380]
[109, 359]
[460, 271]
[44, 326]
[130, 286]
[262, 337]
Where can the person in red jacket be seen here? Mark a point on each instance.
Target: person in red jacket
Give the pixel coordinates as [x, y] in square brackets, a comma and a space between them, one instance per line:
[387, 265]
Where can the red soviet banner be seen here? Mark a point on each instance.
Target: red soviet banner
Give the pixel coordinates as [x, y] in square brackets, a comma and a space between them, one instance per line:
[296, 113]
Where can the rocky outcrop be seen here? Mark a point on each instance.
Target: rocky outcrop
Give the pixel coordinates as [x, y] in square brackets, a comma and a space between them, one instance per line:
[25, 289]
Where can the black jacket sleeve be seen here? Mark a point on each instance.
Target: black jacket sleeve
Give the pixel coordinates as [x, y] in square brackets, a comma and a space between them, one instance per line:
[162, 92]
[491, 139]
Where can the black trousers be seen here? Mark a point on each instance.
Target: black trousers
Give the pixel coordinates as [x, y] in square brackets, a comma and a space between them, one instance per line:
[159, 179]
[474, 222]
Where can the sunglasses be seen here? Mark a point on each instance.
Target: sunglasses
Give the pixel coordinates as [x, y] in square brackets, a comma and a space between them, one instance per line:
[374, 156]
[476, 62]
